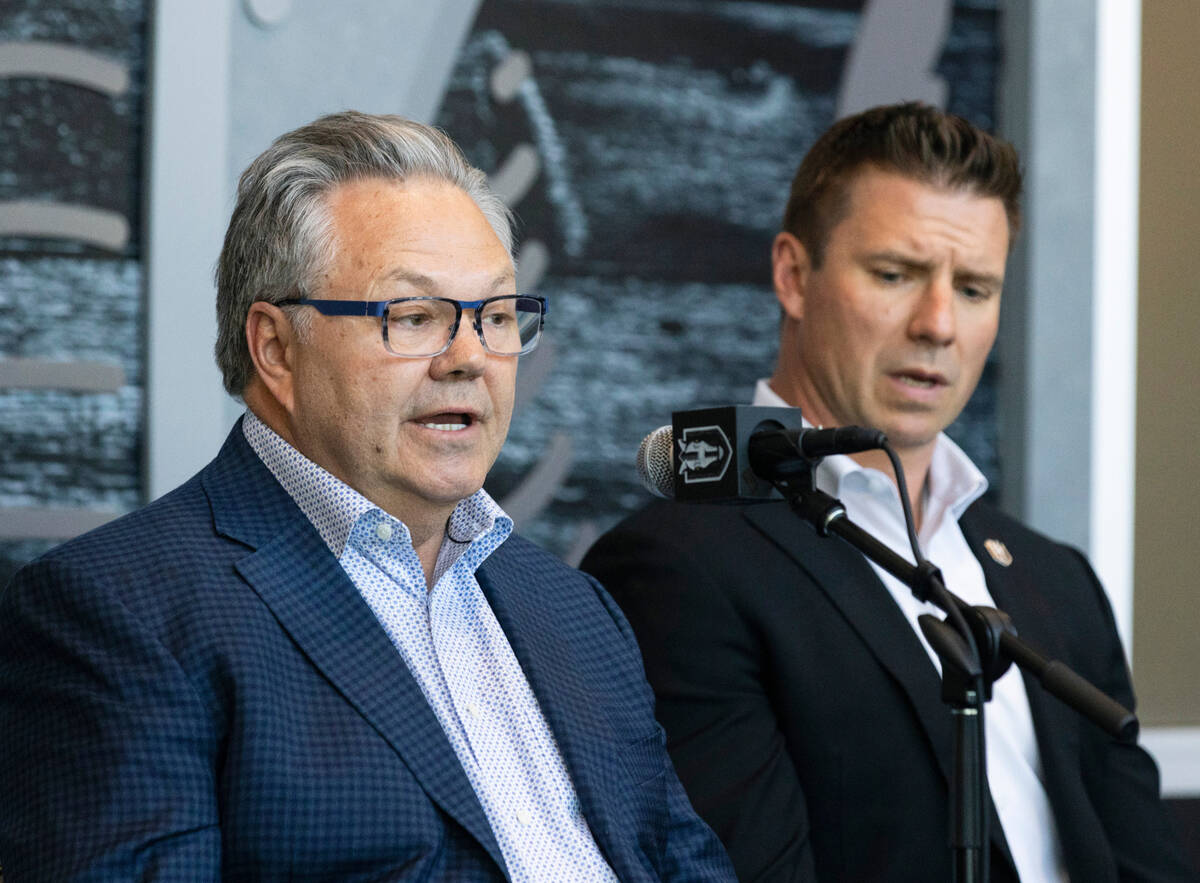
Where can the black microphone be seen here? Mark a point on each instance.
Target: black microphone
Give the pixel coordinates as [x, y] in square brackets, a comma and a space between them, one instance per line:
[735, 452]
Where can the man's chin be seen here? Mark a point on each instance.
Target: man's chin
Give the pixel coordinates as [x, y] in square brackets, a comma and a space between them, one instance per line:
[909, 434]
[450, 491]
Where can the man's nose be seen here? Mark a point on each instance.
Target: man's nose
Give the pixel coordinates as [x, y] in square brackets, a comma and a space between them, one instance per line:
[933, 318]
[465, 356]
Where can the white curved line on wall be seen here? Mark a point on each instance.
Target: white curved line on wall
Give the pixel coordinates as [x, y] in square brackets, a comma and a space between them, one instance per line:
[895, 54]
[537, 488]
[516, 174]
[532, 262]
[266, 14]
[94, 226]
[533, 372]
[587, 534]
[74, 376]
[553, 154]
[64, 63]
[511, 77]
[50, 522]
[1175, 750]
[509, 74]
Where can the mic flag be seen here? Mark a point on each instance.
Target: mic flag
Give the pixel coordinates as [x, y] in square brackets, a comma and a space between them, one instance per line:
[704, 455]
[736, 451]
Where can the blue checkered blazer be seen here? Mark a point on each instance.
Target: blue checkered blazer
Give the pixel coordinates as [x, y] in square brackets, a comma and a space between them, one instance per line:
[197, 692]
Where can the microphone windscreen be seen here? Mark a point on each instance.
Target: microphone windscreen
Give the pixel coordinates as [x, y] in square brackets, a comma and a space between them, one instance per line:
[655, 464]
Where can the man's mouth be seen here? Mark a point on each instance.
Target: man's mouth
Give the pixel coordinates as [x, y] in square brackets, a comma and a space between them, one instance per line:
[447, 421]
[920, 380]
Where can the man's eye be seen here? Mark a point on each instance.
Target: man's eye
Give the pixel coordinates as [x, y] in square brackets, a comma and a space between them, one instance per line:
[410, 320]
[889, 277]
[498, 316]
[971, 292]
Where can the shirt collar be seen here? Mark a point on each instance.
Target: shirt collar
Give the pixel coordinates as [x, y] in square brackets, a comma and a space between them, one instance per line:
[954, 481]
[333, 507]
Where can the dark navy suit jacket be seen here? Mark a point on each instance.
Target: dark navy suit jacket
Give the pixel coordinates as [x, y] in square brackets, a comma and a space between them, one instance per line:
[805, 719]
[197, 692]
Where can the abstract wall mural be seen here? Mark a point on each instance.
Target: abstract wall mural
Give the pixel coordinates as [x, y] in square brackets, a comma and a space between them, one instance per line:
[71, 312]
[646, 147]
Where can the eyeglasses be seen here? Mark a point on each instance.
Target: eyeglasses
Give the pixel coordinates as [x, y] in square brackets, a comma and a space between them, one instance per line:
[423, 327]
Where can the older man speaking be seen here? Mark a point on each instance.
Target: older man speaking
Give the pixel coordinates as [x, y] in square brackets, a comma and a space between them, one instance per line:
[326, 656]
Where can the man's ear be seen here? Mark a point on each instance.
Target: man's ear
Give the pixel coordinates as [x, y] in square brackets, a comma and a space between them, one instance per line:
[272, 342]
[790, 269]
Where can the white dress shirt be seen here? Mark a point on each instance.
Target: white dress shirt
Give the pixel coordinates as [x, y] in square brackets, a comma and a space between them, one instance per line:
[452, 643]
[1014, 767]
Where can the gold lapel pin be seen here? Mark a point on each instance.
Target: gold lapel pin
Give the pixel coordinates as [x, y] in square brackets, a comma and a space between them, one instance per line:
[999, 552]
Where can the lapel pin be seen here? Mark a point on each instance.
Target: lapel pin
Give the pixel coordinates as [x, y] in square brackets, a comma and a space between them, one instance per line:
[999, 552]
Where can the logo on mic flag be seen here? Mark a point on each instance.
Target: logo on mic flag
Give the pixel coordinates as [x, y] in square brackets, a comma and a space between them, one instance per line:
[704, 454]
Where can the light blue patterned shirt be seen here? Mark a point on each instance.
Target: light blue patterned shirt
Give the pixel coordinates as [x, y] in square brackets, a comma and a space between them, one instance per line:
[456, 650]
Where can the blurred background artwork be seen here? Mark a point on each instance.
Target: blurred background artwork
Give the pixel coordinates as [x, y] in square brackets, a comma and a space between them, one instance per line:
[661, 140]
[72, 80]
[646, 148]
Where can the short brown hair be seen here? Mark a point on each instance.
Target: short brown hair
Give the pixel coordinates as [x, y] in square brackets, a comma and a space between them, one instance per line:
[911, 139]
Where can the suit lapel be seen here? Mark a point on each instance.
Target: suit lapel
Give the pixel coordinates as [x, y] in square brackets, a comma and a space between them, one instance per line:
[1056, 727]
[531, 612]
[295, 575]
[1014, 589]
[853, 587]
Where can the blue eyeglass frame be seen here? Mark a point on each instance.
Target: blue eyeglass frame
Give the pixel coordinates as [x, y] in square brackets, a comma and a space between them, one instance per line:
[377, 308]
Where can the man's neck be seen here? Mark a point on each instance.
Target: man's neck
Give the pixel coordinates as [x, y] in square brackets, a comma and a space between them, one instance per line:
[915, 461]
[426, 529]
[916, 474]
[427, 542]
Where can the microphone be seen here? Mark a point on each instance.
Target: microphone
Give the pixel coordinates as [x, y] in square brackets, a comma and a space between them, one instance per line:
[735, 452]
[656, 463]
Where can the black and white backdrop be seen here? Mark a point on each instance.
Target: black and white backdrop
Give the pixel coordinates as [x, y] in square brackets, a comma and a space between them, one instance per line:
[646, 147]
[666, 135]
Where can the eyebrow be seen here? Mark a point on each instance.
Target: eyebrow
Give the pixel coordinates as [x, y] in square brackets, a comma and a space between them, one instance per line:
[989, 279]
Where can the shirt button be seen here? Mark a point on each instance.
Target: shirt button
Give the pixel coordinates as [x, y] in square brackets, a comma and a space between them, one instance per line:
[524, 816]
[473, 710]
[383, 530]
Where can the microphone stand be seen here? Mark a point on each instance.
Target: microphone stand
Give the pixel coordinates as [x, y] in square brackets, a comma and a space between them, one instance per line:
[967, 673]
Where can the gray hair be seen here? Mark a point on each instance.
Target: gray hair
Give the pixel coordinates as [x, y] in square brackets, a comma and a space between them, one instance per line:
[280, 236]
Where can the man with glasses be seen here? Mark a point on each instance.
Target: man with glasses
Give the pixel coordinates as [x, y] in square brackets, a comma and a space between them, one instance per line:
[800, 698]
[327, 656]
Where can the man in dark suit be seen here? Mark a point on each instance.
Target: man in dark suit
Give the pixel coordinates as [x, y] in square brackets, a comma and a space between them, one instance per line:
[326, 656]
[801, 703]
